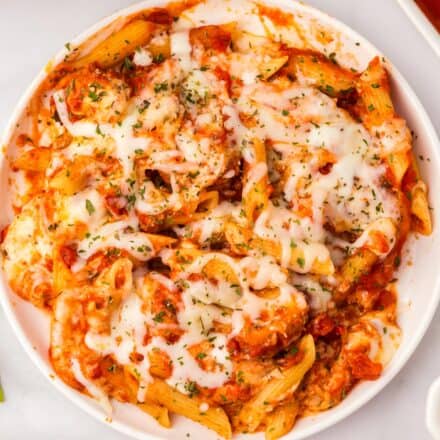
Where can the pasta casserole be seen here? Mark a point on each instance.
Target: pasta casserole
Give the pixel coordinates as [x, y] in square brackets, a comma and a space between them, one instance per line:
[210, 200]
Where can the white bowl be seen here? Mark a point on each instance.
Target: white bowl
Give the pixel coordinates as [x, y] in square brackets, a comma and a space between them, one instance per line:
[419, 285]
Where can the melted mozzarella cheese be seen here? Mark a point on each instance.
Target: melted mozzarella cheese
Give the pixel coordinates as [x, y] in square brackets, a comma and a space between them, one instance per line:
[242, 12]
[222, 293]
[166, 161]
[390, 336]
[193, 150]
[245, 67]
[352, 192]
[251, 272]
[87, 207]
[375, 333]
[126, 143]
[286, 34]
[128, 329]
[186, 368]
[19, 187]
[164, 108]
[181, 49]
[115, 235]
[213, 223]
[369, 238]
[394, 136]
[27, 240]
[77, 129]
[79, 147]
[282, 226]
[318, 296]
[153, 202]
[142, 57]
[239, 135]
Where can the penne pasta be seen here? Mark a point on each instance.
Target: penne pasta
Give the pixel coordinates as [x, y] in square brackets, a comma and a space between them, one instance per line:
[160, 241]
[255, 190]
[34, 159]
[354, 267]
[377, 110]
[243, 242]
[420, 209]
[118, 276]
[281, 420]
[73, 177]
[320, 71]
[217, 269]
[269, 68]
[398, 163]
[212, 37]
[278, 388]
[158, 412]
[120, 44]
[205, 204]
[62, 277]
[418, 195]
[374, 89]
[160, 49]
[68, 183]
[213, 418]
[160, 365]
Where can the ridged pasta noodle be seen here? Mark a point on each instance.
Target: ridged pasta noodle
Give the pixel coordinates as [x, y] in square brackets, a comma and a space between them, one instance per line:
[116, 47]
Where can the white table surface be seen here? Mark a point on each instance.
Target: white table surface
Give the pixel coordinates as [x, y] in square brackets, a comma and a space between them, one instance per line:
[31, 31]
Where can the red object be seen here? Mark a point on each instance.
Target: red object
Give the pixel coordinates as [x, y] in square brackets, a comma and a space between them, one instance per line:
[68, 255]
[431, 8]
[321, 325]
[362, 367]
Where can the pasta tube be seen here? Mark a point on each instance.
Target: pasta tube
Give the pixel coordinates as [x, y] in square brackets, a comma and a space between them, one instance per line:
[321, 72]
[420, 209]
[213, 418]
[354, 267]
[281, 420]
[374, 89]
[254, 411]
[119, 45]
[418, 194]
[269, 68]
[398, 163]
[243, 241]
[377, 109]
[255, 190]
[160, 413]
[34, 159]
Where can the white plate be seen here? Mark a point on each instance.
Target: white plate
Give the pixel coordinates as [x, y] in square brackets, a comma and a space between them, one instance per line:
[419, 285]
[424, 26]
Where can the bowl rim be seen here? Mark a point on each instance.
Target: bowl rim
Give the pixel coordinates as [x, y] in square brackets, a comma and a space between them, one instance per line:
[332, 418]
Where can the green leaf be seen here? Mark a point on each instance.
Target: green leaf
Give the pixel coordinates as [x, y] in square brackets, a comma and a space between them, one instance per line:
[159, 317]
[89, 206]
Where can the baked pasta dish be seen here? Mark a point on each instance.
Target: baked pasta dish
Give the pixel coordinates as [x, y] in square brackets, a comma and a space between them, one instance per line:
[211, 206]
